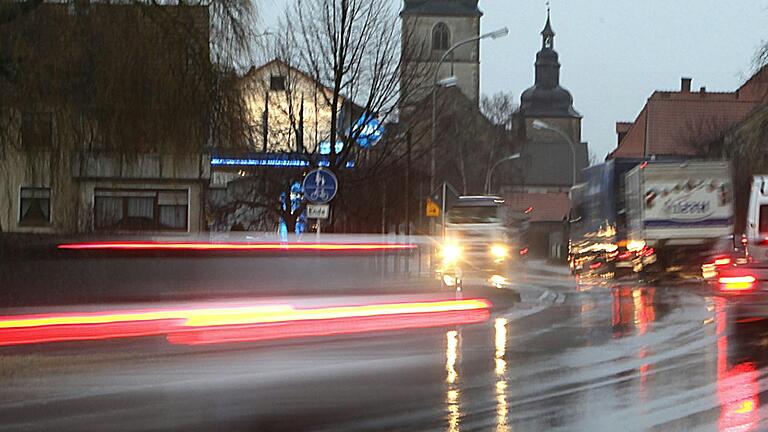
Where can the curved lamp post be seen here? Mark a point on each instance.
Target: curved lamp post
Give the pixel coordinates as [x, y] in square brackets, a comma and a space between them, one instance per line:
[493, 35]
[490, 171]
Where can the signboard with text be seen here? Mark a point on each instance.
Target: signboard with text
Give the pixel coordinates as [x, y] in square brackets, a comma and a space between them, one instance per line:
[318, 211]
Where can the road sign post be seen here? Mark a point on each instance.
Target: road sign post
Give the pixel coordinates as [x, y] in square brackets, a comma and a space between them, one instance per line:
[320, 187]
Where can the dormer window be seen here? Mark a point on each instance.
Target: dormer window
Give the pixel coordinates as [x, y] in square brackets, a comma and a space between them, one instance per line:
[441, 37]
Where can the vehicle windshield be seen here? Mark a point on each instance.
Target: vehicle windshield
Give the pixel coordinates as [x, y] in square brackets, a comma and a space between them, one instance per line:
[474, 215]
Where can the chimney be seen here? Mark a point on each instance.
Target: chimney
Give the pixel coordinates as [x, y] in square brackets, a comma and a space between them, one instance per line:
[685, 85]
[703, 90]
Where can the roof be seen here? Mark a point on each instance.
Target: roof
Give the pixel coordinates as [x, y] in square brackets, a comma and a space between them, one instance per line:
[622, 127]
[546, 98]
[547, 207]
[670, 121]
[441, 8]
[548, 27]
[551, 163]
[282, 65]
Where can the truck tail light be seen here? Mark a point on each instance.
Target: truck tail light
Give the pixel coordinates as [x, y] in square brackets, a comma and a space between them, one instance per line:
[737, 283]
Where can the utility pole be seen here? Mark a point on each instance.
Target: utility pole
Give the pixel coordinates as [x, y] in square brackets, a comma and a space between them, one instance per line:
[408, 184]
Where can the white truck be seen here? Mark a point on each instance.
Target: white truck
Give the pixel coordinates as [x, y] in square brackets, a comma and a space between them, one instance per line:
[677, 213]
[480, 241]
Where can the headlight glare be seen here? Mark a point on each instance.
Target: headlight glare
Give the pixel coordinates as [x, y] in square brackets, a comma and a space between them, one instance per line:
[451, 253]
[499, 251]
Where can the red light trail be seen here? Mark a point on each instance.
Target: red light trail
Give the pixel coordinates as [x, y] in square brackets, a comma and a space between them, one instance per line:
[203, 246]
[227, 323]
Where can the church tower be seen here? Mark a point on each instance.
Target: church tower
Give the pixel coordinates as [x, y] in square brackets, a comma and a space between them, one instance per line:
[434, 26]
[547, 100]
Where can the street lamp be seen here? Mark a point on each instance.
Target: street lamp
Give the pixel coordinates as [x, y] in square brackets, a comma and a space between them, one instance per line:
[492, 35]
[490, 172]
[540, 125]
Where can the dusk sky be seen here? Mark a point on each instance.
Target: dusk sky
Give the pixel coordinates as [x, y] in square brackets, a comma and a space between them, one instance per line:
[615, 53]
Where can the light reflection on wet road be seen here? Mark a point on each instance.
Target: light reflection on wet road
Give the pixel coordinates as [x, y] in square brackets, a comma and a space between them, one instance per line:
[642, 358]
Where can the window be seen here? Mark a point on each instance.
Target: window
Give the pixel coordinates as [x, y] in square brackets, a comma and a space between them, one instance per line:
[441, 37]
[36, 129]
[35, 206]
[172, 206]
[763, 219]
[140, 210]
[277, 82]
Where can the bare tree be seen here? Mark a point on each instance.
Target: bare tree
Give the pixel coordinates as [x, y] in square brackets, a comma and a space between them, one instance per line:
[356, 56]
[125, 77]
[478, 138]
[499, 108]
[705, 136]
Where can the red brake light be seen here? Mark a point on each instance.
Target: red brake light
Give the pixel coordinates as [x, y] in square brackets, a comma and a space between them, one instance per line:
[722, 261]
[595, 265]
[625, 255]
[737, 283]
[523, 251]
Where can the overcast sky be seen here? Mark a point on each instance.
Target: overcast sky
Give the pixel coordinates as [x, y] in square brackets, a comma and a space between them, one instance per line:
[615, 53]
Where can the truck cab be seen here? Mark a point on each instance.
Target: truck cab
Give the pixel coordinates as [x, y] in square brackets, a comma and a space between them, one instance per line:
[478, 243]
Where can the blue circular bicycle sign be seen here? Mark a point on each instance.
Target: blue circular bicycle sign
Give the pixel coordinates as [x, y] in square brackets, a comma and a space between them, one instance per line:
[320, 186]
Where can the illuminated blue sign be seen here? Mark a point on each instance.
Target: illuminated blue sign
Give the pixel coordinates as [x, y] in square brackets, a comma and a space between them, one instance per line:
[325, 147]
[320, 186]
[271, 162]
[368, 131]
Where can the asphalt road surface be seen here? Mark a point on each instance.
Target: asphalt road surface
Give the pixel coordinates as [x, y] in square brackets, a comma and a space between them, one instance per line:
[589, 357]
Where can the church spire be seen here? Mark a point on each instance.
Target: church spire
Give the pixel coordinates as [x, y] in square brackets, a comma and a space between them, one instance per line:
[548, 35]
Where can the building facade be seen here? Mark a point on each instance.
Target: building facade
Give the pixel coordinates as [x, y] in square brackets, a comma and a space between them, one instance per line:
[75, 156]
[430, 28]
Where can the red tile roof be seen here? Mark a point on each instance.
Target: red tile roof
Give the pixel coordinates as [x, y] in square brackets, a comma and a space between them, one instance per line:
[670, 121]
[547, 207]
[623, 126]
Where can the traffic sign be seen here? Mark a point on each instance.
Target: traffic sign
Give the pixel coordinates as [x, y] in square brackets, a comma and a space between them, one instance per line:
[320, 186]
[433, 210]
[318, 211]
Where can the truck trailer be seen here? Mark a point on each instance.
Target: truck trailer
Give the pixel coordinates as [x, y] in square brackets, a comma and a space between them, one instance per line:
[677, 213]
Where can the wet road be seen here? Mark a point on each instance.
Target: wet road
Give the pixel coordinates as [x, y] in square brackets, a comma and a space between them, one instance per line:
[567, 358]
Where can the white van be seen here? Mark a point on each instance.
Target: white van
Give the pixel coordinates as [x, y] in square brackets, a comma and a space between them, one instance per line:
[757, 220]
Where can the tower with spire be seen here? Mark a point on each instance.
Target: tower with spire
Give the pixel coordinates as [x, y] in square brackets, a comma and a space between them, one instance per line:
[547, 100]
